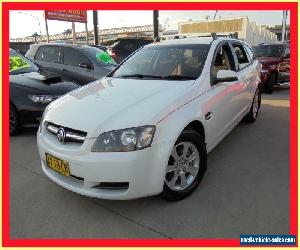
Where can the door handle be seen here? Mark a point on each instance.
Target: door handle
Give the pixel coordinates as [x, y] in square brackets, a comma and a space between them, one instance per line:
[208, 115]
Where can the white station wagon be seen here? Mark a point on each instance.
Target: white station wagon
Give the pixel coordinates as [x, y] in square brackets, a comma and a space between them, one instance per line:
[147, 127]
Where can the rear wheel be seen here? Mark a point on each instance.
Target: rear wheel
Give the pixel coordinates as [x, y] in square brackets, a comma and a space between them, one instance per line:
[253, 113]
[14, 125]
[186, 166]
[269, 84]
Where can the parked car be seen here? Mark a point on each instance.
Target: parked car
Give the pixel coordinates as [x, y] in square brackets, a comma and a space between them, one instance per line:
[31, 90]
[147, 127]
[275, 60]
[126, 46]
[82, 63]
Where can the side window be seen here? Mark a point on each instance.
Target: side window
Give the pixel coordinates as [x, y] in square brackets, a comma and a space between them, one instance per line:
[241, 56]
[39, 54]
[74, 58]
[51, 54]
[223, 60]
[249, 52]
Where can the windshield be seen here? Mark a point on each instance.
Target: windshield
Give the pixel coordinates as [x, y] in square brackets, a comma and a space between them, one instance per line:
[268, 50]
[19, 64]
[172, 62]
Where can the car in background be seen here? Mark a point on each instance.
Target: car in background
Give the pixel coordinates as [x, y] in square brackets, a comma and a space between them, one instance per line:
[126, 46]
[30, 91]
[275, 61]
[81, 63]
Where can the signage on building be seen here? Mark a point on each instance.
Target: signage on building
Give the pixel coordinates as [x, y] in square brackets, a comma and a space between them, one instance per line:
[67, 15]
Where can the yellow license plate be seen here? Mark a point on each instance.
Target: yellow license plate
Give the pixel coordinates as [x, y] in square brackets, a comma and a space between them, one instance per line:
[58, 165]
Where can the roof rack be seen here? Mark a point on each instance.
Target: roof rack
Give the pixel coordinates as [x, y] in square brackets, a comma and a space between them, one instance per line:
[213, 35]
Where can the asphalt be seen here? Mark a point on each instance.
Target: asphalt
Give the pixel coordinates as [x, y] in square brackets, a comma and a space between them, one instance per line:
[245, 191]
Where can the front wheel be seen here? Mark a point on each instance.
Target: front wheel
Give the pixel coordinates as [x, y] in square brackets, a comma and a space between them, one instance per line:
[14, 125]
[186, 166]
[253, 113]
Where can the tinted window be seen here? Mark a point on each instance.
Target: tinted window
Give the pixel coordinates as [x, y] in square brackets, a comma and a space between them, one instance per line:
[51, 54]
[74, 57]
[39, 54]
[268, 50]
[223, 60]
[98, 56]
[175, 62]
[19, 64]
[241, 55]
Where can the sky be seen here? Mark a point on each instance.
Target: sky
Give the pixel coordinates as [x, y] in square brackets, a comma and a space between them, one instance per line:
[25, 23]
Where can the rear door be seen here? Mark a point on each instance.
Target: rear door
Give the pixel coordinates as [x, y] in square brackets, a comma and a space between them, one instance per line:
[245, 72]
[77, 66]
[48, 57]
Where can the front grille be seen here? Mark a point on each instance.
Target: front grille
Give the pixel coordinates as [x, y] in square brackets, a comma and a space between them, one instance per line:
[71, 135]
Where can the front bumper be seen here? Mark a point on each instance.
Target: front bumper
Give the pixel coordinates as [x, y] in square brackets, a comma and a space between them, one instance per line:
[143, 170]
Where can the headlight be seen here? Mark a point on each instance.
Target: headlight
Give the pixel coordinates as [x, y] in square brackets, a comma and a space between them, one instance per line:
[125, 140]
[44, 99]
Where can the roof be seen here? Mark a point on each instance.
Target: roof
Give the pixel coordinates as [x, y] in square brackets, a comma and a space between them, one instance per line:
[274, 43]
[188, 40]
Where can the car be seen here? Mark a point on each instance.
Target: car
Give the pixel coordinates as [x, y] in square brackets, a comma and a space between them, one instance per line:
[147, 127]
[30, 91]
[275, 60]
[123, 47]
[81, 63]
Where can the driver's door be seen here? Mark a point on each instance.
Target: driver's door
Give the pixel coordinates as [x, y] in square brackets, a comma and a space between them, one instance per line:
[220, 102]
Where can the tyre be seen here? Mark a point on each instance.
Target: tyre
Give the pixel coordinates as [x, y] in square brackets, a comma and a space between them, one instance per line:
[186, 166]
[269, 85]
[14, 125]
[253, 113]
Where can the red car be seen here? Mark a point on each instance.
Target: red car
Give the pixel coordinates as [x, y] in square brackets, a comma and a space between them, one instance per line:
[275, 60]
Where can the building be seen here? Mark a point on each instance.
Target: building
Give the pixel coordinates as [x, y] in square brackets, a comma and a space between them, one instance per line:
[245, 29]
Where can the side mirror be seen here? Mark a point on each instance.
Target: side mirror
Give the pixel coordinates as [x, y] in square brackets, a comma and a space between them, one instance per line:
[85, 65]
[226, 76]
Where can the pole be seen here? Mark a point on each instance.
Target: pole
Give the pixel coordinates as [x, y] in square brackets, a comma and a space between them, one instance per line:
[283, 25]
[155, 24]
[215, 14]
[73, 33]
[47, 33]
[95, 22]
[87, 34]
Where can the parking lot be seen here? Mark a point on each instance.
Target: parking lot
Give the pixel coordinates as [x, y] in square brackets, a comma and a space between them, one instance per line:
[245, 190]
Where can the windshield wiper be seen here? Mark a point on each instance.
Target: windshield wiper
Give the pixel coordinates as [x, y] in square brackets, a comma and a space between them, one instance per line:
[140, 76]
[178, 77]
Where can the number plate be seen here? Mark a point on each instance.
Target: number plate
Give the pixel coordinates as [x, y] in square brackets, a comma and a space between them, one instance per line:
[58, 165]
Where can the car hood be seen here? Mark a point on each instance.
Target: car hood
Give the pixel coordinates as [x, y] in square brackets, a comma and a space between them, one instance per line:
[46, 81]
[114, 103]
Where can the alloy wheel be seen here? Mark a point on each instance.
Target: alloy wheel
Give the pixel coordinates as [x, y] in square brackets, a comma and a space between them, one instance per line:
[12, 121]
[183, 166]
[256, 104]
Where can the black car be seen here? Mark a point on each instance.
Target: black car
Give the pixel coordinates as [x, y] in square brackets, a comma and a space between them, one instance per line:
[126, 46]
[81, 63]
[31, 90]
